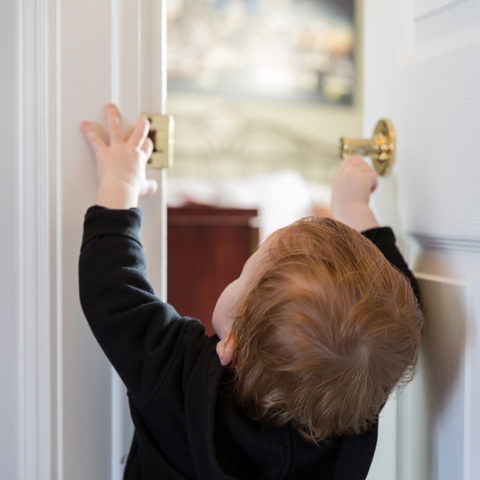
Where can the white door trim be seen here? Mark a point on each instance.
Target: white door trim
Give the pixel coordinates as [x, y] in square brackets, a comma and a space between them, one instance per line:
[36, 229]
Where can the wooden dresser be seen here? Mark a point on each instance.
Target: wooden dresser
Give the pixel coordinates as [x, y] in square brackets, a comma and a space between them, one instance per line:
[207, 248]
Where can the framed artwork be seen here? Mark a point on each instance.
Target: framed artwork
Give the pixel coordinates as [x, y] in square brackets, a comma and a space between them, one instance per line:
[301, 50]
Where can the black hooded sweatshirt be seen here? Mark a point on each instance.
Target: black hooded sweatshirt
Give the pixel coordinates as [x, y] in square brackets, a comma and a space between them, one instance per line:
[187, 425]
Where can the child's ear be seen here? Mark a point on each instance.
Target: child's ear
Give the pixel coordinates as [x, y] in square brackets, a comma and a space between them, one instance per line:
[225, 349]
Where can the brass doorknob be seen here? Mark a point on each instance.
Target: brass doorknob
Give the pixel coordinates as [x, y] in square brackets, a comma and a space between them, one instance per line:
[381, 147]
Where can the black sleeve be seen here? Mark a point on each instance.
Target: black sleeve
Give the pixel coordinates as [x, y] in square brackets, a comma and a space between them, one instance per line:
[384, 239]
[140, 334]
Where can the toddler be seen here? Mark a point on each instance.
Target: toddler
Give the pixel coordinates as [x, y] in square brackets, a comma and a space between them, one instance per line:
[310, 341]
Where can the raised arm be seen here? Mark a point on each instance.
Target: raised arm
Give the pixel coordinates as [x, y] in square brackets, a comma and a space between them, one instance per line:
[136, 330]
[353, 183]
[141, 335]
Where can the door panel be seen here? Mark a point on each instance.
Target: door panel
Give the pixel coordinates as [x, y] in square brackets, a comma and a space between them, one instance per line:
[421, 71]
[123, 47]
[437, 20]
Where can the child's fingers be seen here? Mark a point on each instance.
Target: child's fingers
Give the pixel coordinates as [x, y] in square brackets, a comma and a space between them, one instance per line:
[113, 122]
[151, 187]
[139, 133]
[95, 141]
[371, 175]
[147, 147]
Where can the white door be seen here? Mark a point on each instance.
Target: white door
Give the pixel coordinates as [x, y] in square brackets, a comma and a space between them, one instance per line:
[63, 410]
[422, 71]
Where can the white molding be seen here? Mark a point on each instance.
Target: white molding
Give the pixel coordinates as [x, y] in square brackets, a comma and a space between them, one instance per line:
[34, 286]
[153, 99]
[22, 453]
[117, 390]
[118, 397]
[115, 49]
[56, 234]
[447, 242]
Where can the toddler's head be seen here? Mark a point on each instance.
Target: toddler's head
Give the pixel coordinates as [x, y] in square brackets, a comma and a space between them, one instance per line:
[319, 328]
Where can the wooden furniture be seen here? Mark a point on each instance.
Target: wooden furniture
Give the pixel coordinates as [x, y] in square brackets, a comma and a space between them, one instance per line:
[207, 248]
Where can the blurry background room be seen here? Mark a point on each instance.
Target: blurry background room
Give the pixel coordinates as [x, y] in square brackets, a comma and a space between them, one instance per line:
[261, 91]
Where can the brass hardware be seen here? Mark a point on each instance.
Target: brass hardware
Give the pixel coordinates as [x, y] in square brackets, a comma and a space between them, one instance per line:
[381, 147]
[161, 134]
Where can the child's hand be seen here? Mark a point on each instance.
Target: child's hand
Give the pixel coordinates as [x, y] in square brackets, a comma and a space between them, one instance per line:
[352, 184]
[121, 165]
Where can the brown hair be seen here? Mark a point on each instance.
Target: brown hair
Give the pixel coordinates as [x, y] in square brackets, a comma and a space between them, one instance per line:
[327, 329]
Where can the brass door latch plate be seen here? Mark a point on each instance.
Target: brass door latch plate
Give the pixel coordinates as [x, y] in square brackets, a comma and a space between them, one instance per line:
[381, 147]
[162, 135]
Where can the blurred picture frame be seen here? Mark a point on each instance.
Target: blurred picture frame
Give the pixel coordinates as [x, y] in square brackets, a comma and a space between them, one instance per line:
[293, 50]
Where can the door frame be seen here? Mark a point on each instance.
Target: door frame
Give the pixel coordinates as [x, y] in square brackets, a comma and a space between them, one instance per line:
[32, 335]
